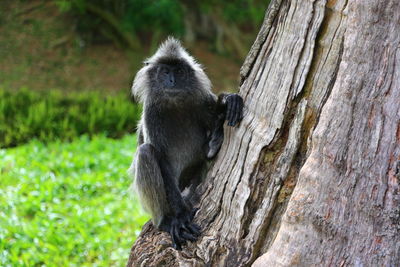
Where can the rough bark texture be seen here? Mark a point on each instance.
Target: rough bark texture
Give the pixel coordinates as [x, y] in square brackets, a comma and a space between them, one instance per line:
[311, 176]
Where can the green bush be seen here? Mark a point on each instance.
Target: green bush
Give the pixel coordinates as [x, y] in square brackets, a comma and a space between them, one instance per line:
[53, 115]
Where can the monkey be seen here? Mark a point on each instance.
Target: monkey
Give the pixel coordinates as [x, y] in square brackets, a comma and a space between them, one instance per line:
[180, 131]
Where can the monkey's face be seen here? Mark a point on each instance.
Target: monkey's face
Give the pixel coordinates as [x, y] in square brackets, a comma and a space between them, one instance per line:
[172, 78]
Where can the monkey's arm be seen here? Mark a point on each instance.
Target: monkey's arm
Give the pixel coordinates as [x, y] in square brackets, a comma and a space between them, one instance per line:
[228, 107]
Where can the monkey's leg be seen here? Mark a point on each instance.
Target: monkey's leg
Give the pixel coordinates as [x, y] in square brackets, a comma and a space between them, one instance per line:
[161, 196]
[180, 222]
[149, 184]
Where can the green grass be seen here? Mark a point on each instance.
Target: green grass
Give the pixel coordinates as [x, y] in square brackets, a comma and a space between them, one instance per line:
[68, 204]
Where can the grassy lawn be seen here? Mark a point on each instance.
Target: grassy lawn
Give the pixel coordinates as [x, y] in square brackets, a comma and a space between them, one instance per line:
[68, 204]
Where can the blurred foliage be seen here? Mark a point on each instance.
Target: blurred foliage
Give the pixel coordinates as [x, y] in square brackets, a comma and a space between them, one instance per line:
[53, 115]
[116, 20]
[67, 204]
[110, 19]
[241, 12]
[145, 15]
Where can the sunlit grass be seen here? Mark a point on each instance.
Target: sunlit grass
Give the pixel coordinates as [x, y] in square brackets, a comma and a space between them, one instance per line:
[68, 204]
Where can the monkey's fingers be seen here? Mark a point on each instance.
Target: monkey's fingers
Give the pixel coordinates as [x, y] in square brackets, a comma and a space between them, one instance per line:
[187, 229]
[194, 229]
[229, 111]
[234, 104]
[188, 236]
[176, 240]
[193, 212]
[240, 110]
[234, 113]
[232, 122]
[237, 112]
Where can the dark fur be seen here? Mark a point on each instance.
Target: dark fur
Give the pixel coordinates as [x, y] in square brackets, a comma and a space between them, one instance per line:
[180, 130]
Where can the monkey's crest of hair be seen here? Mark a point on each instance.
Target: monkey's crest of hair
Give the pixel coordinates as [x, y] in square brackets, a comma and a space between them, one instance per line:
[171, 49]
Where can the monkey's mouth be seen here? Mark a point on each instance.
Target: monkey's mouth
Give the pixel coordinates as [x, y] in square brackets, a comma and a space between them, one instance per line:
[173, 91]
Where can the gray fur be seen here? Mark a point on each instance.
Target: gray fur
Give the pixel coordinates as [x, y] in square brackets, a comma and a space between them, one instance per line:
[181, 138]
[180, 129]
[150, 185]
[171, 48]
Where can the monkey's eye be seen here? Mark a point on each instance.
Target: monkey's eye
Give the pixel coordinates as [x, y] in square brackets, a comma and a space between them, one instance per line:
[180, 71]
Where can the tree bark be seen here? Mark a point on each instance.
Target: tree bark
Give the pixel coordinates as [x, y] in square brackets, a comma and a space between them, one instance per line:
[311, 175]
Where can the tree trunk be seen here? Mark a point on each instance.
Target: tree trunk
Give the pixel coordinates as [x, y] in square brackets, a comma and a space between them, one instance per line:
[311, 175]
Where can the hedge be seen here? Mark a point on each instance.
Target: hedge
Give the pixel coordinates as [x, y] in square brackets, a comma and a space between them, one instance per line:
[51, 115]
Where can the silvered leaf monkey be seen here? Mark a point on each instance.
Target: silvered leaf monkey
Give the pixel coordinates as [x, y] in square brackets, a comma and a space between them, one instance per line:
[181, 128]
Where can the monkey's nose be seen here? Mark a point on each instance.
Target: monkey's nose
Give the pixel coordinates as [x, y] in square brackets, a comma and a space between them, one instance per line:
[171, 80]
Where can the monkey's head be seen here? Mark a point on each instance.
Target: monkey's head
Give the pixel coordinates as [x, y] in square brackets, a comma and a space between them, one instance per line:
[170, 74]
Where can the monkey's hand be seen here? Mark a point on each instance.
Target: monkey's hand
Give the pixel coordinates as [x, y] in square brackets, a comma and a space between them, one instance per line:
[181, 228]
[230, 108]
[234, 109]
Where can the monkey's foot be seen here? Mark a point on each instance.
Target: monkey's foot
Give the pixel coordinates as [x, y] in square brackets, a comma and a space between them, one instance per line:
[181, 229]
